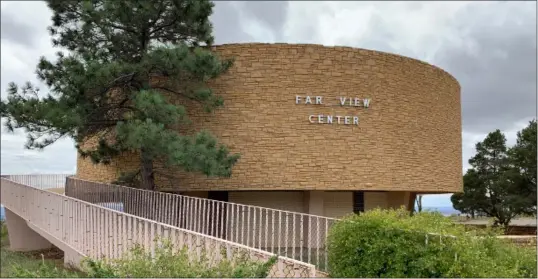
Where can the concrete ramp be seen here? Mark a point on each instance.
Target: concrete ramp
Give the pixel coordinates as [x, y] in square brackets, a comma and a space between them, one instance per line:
[37, 219]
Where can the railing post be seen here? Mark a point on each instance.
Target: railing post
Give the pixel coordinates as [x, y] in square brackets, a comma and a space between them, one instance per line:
[223, 220]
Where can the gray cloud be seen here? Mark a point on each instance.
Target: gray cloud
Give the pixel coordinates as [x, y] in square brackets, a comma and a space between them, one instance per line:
[272, 14]
[17, 31]
[496, 66]
[227, 25]
[489, 47]
[57, 158]
[230, 19]
[378, 37]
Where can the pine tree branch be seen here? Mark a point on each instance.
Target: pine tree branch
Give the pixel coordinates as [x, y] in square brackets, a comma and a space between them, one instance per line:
[124, 28]
[176, 92]
[117, 82]
[159, 13]
[120, 78]
[109, 24]
[103, 88]
[159, 28]
[104, 123]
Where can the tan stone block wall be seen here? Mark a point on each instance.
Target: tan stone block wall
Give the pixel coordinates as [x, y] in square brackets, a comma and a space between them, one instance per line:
[338, 204]
[409, 139]
[287, 201]
[196, 194]
[396, 199]
[373, 200]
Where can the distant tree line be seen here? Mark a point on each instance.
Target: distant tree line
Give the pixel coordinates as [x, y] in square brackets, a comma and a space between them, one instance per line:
[501, 182]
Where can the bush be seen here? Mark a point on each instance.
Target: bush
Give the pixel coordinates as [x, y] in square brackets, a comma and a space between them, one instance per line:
[167, 263]
[45, 270]
[391, 243]
[3, 233]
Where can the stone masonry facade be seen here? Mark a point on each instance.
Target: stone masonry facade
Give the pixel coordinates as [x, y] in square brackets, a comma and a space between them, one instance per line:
[408, 139]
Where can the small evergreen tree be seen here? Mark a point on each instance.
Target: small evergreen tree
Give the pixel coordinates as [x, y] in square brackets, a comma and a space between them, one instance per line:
[126, 59]
[473, 190]
[496, 184]
[523, 160]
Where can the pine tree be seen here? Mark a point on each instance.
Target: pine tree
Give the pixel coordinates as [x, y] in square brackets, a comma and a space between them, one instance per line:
[491, 185]
[523, 158]
[473, 190]
[491, 164]
[124, 61]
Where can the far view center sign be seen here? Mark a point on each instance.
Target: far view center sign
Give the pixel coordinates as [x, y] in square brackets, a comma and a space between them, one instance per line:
[333, 119]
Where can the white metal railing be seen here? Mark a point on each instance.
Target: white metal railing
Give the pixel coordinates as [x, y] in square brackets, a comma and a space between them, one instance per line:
[295, 235]
[99, 232]
[40, 181]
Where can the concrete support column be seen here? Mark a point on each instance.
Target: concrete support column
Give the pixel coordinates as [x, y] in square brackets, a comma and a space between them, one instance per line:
[21, 236]
[314, 228]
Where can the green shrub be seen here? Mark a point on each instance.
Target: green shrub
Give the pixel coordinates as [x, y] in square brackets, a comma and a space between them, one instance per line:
[45, 270]
[3, 233]
[391, 243]
[167, 263]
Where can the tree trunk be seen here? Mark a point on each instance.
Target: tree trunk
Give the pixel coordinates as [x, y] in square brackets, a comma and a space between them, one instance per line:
[506, 224]
[147, 178]
[145, 206]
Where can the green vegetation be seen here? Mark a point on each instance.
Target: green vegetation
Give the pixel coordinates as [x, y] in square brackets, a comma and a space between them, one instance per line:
[3, 234]
[36, 264]
[391, 243]
[132, 69]
[167, 263]
[501, 182]
[26, 268]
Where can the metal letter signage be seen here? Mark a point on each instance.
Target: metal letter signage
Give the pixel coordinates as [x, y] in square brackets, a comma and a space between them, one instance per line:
[333, 119]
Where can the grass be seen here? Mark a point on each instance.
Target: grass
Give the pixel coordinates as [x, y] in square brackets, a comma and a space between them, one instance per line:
[139, 264]
[11, 264]
[464, 218]
[48, 262]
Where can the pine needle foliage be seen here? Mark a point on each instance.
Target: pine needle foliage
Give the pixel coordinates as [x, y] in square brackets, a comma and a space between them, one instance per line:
[129, 69]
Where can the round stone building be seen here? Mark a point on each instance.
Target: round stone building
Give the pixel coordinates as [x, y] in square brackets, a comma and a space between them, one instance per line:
[324, 130]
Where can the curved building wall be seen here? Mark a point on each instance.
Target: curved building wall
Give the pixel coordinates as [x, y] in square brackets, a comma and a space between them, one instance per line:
[407, 139]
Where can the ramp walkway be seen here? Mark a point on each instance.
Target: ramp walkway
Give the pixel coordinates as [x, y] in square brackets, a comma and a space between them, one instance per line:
[105, 221]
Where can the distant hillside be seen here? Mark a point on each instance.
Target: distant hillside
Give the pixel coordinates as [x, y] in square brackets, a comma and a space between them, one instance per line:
[445, 210]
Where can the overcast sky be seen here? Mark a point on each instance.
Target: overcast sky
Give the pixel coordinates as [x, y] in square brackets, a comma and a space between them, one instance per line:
[490, 47]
